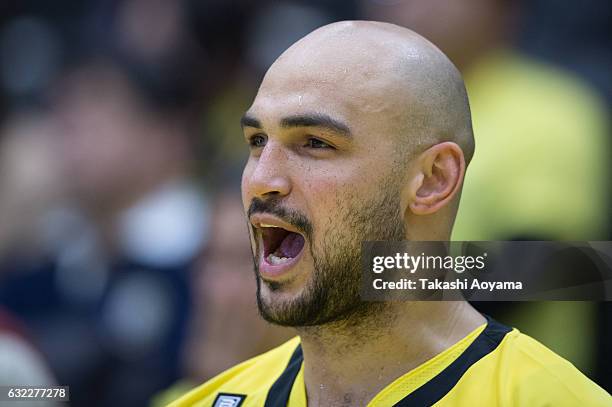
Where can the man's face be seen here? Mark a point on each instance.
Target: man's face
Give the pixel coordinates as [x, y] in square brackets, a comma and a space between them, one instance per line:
[322, 177]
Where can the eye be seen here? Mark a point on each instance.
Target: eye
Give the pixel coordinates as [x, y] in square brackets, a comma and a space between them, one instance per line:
[257, 141]
[316, 143]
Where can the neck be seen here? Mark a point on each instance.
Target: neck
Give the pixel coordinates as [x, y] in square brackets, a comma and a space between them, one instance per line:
[348, 363]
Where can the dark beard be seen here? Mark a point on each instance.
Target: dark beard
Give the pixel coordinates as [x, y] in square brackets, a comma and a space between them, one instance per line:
[333, 293]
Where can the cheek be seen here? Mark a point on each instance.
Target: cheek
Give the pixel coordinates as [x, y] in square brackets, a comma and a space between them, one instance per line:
[338, 200]
[321, 194]
[329, 200]
[325, 182]
[330, 191]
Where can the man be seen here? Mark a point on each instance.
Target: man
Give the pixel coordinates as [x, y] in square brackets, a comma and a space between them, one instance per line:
[361, 131]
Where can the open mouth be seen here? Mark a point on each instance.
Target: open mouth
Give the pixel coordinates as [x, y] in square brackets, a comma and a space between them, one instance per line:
[280, 245]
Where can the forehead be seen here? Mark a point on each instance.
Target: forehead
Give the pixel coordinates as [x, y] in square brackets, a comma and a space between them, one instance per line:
[273, 103]
[352, 86]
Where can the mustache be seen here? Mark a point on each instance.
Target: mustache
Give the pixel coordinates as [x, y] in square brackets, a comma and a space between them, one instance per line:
[273, 207]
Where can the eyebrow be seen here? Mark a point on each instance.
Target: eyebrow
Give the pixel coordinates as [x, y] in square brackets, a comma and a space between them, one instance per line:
[316, 120]
[250, 121]
[303, 120]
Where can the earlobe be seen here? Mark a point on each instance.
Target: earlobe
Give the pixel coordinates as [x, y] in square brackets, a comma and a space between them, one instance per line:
[441, 172]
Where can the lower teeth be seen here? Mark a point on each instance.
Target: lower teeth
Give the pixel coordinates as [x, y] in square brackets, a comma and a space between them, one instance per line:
[273, 259]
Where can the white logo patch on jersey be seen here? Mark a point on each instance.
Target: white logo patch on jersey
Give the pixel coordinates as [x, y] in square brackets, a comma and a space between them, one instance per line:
[229, 400]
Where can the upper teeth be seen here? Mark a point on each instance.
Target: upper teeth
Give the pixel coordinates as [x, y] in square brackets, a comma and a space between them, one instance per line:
[265, 225]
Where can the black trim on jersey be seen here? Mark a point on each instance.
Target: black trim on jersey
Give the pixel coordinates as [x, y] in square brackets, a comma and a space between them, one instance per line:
[281, 389]
[432, 391]
[426, 395]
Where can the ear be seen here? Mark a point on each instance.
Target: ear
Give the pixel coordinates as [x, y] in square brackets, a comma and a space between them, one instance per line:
[438, 178]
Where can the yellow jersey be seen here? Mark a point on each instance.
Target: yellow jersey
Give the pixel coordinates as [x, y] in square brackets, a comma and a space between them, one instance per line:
[494, 365]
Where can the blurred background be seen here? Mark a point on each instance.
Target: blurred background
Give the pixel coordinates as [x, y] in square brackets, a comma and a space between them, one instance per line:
[125, 269]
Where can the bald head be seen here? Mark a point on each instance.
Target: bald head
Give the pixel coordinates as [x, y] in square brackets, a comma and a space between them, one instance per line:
[359, 131]
[386, 77]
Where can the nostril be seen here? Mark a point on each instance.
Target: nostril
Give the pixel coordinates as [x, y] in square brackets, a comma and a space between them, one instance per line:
[270, 187]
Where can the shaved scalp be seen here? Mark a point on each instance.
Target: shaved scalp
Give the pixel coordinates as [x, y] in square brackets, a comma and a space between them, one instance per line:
[389, 75]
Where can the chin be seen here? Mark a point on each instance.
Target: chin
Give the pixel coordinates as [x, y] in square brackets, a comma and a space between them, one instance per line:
[279, 292]
[279, 299]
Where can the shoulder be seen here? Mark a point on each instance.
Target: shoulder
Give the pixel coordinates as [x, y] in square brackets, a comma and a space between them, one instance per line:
[537, 376]
[253, 377]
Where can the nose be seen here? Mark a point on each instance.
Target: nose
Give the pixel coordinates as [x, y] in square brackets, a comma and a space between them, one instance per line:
[267, 176]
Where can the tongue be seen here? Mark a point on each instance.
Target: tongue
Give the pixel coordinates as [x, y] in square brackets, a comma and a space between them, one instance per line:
[291, 245]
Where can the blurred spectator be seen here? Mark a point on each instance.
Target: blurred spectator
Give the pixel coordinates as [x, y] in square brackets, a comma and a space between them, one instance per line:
[108, 300]
[540, 170]
[103, 218]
